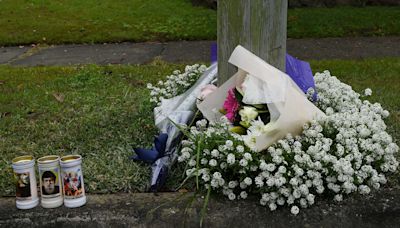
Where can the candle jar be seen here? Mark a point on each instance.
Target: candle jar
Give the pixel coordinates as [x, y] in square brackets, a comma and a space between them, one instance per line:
[25, 180]
[72, 178]
[50, 181]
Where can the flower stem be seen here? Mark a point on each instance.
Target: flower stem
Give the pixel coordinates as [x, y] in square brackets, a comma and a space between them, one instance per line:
[203, 210]
[197, 162]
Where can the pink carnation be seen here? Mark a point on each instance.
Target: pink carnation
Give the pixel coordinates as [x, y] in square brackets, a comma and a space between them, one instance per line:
[231, 105]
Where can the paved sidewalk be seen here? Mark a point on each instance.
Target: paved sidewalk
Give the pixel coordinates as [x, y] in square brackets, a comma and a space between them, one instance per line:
[380, 209]
[192, 51]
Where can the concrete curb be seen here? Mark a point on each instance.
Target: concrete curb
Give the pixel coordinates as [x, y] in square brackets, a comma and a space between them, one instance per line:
[380, 209]
[193, 51]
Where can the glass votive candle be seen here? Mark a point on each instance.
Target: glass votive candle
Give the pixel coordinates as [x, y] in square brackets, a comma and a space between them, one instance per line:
[50, 181]
[72, 179]
[25, 181]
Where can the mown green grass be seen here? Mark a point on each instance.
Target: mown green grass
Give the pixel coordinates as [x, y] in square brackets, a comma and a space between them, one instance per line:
[106, 111]
[90, 21]
[343, 22]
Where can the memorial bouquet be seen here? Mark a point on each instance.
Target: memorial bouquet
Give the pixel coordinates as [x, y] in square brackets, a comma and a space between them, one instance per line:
[241, 114]
[177, 83]
[262, 136]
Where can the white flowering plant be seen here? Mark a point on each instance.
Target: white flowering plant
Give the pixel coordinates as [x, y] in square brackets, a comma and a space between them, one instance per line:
[347, 151]
[175, 84]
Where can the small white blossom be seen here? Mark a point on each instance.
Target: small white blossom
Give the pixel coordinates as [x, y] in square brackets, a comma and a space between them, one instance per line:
[223, 165]
[213, 162]
[270, 182]
[192, 162]
[229, 143]
[232, 196]
[272, 206]
[259, 181]
[248, 156]
[206, 177]
[243, 185]
[243, 162]
[240, 149]
[338, 198]
[248, 181]
[230, 159]
[368, 92]
[232, 184]
[263, 202]
[270, 167]
[294, 210]
[243, 195]
[215, 153]
[214, 183]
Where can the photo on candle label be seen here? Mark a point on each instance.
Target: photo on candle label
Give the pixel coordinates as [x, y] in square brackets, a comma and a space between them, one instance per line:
[50, 183]
[23, 185]
[72, 184]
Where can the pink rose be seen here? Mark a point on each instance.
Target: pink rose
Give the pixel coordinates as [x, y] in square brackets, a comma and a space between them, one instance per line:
[207, 90]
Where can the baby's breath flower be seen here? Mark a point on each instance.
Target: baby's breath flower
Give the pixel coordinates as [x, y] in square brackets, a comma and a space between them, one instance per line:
[248, 156]
[243, 162]
[214, 153]
[240, 149]
[232, 184]
[213, 162]
[295, 210]
[232, 196]
[248, 181]
[272, 206]
[243, 195]
[230, 159]
[368, 92]
[338, 198]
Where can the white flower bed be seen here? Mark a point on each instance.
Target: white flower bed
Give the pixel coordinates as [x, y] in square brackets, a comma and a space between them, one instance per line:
[348, 151]
[176, 84]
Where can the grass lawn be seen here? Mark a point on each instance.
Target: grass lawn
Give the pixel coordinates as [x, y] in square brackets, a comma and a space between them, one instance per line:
[100, 112]
[91, 21]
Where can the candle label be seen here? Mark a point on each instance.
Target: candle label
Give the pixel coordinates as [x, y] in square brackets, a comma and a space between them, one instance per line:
[73, 183]
[50, 183]
[23, 186]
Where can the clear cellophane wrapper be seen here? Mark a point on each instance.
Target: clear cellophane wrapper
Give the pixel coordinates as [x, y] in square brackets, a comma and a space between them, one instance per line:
[264, 84]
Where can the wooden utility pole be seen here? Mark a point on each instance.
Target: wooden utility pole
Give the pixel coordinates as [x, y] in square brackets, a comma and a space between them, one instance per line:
[257, 25]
